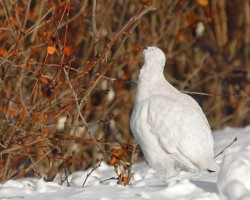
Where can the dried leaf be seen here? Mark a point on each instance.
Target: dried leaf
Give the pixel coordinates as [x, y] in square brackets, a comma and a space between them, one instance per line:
[120, 153]
[4, 111]
[46, 35]
[202, 2]
[147, 2]
[43, 118]
[51, 5]
[23, 118]
[3, 52]
[179, 38]
[125, 180]
[113, 160]
[20, 9]
[14, 22]
[44, 80]
[67, 51]
[28, 65]
[13, 112]
[46, 133]
[51, 50]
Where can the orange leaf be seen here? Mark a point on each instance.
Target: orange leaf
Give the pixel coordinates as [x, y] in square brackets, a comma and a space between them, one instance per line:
[125, 180]
[13, 22]
[67, 51]
[120, 153]
[46, 35]
[113, 160]
[44, 80]
[43, 118]
[28, 65]
[147, 2]
[13, 112]
[4, 110]
[51, 49]
[51, 5]
[202, 2]
[3, 52]
[179, 38]
[46, 133]
[20, 9]
[22, 118]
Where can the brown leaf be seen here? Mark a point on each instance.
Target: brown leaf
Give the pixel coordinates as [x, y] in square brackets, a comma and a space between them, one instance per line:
[67, 51]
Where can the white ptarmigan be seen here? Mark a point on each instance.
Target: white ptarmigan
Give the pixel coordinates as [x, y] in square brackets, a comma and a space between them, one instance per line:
[170, 126]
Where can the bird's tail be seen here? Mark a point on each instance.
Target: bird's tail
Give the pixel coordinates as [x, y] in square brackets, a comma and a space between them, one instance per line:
[211, 165]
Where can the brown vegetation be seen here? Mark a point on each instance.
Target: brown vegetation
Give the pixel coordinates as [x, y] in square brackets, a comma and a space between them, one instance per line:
[68, 71]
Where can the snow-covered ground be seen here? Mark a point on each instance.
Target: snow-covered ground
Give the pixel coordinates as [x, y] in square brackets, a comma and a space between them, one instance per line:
[233, 180]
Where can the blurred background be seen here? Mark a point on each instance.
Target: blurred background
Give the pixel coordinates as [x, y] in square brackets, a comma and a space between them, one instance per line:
[68, 77]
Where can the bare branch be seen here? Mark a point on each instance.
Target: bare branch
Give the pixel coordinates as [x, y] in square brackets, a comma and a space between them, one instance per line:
[98, 165]
[94, 28]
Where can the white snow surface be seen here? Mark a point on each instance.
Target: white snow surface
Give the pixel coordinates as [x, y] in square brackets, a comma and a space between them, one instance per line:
[232, 180]
[169, 126]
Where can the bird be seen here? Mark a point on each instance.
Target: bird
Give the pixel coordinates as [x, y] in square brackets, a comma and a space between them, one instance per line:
[169, 126]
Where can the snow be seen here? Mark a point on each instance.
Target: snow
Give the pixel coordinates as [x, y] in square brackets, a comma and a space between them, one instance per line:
[233, 180]
[234, 177]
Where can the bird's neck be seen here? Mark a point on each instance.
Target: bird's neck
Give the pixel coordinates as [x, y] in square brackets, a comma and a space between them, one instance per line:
[149, 78]
[150, 83]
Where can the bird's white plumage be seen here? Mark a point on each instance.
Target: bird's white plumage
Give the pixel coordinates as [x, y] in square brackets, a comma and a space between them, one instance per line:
[170, 126]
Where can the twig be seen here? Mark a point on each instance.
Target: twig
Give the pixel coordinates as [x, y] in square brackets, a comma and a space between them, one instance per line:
[126, 27]
[100, 74]
[111, 178]
[235, 139]
[98, 165]
[216, 94]
[79, 109]
[119, 79]
[129, 32]
[8, 20]
[36, 25]
[76, 15]
[130, 174]
[94, 28]
[26, 14]
[66, 176]
[247, 31]
[76, 98]
[67, 25]
[36, 163]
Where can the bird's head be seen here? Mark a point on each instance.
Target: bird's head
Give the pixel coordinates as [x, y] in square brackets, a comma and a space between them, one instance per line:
[154, 57]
